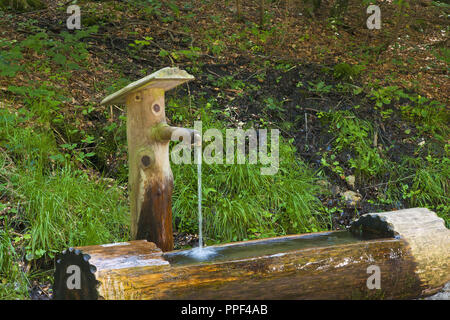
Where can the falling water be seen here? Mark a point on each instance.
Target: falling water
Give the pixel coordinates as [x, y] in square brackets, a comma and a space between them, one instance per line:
[200, 253]
[199, 190]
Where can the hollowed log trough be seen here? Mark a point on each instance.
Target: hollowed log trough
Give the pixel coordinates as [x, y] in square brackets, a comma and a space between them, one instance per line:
[410, 248]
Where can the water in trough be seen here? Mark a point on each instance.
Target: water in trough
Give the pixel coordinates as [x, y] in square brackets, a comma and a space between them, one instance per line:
[249, 249]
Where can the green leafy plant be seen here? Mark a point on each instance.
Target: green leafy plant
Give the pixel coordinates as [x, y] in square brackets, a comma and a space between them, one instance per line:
[319, 87]
[139, 44]
[9, 58]
[347, 72]
[273, 105]
[429, 116]
[229, 82]
[386, 95]
[354, 136]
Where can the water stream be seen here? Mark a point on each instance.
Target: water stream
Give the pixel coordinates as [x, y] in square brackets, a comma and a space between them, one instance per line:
[200, 253]
[245, 250]
[199, 190]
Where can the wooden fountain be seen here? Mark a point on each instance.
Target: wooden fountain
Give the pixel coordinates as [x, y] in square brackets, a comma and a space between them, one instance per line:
[150, 179]
[409, 250]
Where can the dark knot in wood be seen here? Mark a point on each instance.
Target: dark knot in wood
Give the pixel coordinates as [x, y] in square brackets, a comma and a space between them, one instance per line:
[145, 161]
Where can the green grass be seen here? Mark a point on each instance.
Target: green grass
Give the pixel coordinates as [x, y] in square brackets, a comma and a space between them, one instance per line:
[49, 205]
[423, 183]
[67, 208]
[13, 281]
[239, 203]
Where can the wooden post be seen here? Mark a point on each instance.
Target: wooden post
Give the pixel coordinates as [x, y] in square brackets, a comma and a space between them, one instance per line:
[150, 180]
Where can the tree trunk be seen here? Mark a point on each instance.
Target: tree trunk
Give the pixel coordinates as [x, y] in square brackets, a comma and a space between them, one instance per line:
[261, 14]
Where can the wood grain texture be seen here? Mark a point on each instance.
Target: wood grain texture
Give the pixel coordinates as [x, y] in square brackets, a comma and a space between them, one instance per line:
[124, 255]
[425, 233]
[150, 177]
[336, 272]
[412, 265]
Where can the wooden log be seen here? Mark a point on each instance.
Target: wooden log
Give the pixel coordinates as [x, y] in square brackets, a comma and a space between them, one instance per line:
[150, 180]
[413, 262]
[426, 235]
[322, 273]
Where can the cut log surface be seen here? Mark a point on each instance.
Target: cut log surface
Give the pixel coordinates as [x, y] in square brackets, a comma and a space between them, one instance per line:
[122, 256]
[137, 253]
[427, 236]
[412, 256]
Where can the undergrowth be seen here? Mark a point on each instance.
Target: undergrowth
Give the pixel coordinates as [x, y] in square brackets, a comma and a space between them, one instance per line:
[48, 206]
[239, 203]
[63, 182]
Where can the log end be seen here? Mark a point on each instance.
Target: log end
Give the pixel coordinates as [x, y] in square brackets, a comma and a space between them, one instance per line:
[75, 277]
[423, 231]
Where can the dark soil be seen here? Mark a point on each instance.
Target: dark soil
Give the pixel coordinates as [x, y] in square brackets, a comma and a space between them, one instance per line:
[313, 138]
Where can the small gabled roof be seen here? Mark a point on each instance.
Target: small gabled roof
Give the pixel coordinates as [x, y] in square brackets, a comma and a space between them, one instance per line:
[166, 78]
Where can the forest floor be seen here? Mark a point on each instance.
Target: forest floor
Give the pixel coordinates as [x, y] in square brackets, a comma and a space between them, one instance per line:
[365, 110]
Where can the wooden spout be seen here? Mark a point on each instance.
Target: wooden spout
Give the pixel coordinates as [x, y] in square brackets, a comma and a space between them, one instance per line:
[150, 180]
